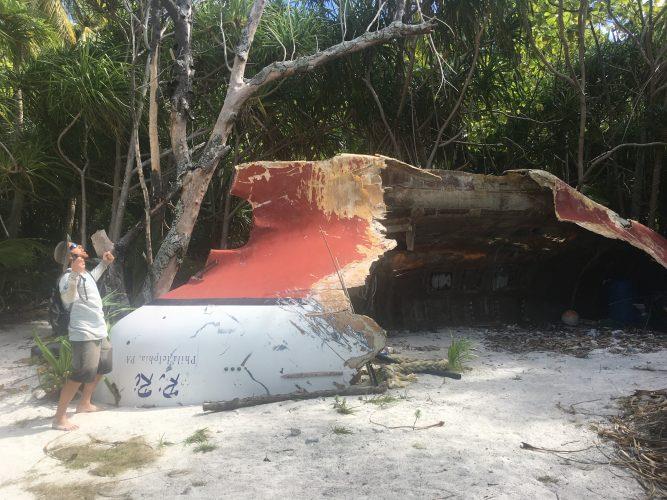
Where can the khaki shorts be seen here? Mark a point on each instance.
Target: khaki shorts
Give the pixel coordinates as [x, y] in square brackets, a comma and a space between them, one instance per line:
[90, 358]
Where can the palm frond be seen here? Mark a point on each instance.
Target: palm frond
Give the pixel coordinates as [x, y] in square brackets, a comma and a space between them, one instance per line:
[54, 11]
[19, 252]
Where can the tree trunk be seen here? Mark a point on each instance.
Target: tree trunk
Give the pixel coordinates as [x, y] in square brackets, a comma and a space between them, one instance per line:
[147, 202]
[657, 175]
[119, 214]
[117, 169]
[156, 173]
[638, 184]
[71, 213]
[226, 217]
[583, 14]
[82, 222]
[655, 188]
[14, 221]
[18, 200]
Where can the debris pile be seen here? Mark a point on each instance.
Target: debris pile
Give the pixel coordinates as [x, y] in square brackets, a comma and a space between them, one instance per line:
[640, 433]
[401, 371]
[574, 341]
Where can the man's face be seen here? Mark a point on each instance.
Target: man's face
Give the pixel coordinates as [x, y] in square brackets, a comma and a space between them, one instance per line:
[77, 251]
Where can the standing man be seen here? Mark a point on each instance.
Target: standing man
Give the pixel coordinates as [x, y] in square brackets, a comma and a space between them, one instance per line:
[91, 350]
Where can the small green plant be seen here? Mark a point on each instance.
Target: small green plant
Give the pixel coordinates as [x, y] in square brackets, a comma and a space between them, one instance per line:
[418, 414]
[113, 389]
[341, 406]
[382, 401]
[114, 308]
[163, 442]
[419, 446]
[198, 437]
[204, 448]
[341, 430]
[54, 374]
[460, 351]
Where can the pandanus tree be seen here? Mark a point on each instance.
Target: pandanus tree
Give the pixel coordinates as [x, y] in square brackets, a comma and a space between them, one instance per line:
[81, 93]
[23, 33]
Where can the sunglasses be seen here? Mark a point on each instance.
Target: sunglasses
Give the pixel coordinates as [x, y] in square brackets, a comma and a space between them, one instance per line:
[72, 246]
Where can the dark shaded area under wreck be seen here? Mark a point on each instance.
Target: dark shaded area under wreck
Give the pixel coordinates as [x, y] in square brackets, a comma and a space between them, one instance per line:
[482, 250]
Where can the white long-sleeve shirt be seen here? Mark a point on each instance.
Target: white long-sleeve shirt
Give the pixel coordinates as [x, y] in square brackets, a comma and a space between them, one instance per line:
[79, 293]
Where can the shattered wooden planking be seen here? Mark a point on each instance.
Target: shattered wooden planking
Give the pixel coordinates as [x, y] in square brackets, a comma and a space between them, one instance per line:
[572, 206]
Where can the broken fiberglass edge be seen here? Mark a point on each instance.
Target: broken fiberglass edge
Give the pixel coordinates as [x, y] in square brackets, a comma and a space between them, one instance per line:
[411, 247]
[271, 317]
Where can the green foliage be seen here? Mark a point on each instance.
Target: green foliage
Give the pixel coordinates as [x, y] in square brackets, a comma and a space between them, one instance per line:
[115, 307]
[54, 12]
[460, 351]
[58, 367]
[164, 442]
[198, 437]
[23, 32]
[341, 430]
[204, 448]
[418, 415]
[17, 253]
[384, 400]
[341, 406]
[85, 79]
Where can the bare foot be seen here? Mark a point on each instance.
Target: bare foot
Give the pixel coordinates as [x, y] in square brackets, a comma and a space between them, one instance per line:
[89, 408]
[64, 424]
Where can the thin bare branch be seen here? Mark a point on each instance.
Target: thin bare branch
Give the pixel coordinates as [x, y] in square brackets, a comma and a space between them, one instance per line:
[59, 144]
[452, 113]
[376, 16]
[564, 42]
[400, 10]
[369, 85]
[11, 157]
[224, 44]
[280, 70]
[607, 154]
[545, 62]
[147, 203]
[629, 33]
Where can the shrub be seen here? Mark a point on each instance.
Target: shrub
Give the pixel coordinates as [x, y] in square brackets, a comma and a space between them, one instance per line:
[57, 368]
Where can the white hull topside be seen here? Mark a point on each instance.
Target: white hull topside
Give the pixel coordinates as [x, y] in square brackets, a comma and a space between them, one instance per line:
[167, 355]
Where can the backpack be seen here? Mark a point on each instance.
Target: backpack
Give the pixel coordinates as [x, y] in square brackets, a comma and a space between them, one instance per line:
[58, 313]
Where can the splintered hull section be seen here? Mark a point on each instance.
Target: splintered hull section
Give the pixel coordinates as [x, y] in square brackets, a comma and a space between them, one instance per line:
[166, 355]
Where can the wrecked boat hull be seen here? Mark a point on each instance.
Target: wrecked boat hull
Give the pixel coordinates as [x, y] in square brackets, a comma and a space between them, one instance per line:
[166, 355]
[411, 248]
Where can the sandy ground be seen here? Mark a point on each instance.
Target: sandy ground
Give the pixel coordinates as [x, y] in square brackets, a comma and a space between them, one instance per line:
[506, 399]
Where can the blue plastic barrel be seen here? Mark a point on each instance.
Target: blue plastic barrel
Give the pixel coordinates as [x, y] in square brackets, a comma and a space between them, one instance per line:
[621, 298]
